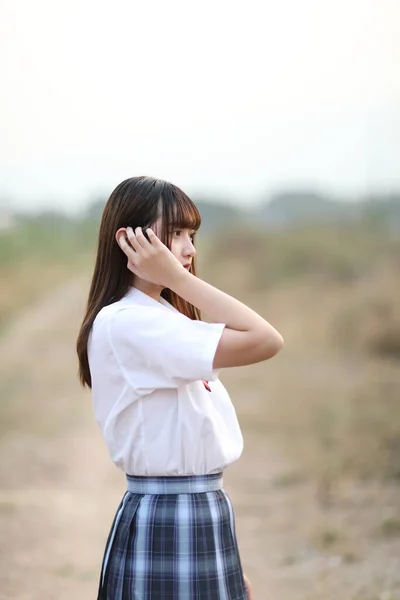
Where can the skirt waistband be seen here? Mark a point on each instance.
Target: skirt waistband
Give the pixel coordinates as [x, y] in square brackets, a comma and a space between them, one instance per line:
[183, 484]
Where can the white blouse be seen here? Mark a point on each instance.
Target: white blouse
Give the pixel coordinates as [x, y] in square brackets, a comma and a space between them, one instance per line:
[147, 361]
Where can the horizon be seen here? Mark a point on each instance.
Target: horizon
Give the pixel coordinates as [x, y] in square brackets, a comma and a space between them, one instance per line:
[217, 200]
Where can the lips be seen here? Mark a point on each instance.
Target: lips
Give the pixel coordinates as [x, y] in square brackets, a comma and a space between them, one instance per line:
[187, 266]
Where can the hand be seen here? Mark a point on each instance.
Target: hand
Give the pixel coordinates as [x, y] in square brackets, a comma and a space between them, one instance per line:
[149, 260]
[247, 584]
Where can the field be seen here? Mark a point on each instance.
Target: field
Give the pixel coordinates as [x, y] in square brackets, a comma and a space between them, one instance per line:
[317, 490]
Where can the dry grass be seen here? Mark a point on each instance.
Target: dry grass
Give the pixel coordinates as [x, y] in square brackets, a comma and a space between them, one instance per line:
[35, 257]
[336, 292]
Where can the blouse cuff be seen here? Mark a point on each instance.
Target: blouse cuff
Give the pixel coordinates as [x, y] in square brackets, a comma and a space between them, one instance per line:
[209, 350]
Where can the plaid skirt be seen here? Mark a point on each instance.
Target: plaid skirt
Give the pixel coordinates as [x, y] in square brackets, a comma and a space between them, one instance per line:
[173, 538]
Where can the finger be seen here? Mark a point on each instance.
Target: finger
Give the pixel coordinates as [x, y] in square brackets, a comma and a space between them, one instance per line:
[132, 239]
[154, 240]
[126, 247]
[140, 238]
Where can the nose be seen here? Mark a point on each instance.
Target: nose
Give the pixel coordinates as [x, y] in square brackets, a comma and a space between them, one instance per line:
[189, 249]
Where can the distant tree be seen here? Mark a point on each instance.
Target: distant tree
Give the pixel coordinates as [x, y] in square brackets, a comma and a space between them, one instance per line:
[300, 206]
[216, 214]
[382, 211]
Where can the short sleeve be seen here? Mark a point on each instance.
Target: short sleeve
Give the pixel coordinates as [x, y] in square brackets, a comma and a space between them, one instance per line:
[157, 348]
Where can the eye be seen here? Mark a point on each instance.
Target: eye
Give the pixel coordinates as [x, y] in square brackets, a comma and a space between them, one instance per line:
[177, 233]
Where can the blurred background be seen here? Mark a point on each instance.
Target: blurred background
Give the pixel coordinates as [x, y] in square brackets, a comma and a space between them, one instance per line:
[282, 122]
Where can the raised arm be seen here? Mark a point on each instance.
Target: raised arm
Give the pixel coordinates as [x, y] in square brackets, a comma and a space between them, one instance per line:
[247, 338]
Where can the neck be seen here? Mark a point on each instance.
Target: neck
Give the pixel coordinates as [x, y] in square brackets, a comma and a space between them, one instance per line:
[151, 289]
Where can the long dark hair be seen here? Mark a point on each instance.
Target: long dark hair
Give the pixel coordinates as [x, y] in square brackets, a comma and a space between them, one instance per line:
[136, 202]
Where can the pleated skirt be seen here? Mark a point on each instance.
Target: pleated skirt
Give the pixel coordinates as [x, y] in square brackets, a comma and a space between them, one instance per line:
[173, 538]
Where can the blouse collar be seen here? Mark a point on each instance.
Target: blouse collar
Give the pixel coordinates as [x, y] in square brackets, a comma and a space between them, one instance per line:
[139, 297]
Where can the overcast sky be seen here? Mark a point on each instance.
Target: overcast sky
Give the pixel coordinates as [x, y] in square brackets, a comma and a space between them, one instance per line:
[233, 98]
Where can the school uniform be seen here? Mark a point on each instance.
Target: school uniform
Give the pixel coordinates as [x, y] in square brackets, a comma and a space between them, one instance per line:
[172, 434]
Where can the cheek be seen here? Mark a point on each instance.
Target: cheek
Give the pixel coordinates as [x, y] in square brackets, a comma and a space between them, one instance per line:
[175, 247]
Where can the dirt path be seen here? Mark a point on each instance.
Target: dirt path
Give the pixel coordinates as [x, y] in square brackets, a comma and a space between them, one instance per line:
[59, 489]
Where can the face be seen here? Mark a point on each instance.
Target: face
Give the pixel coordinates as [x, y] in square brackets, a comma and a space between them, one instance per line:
[181, 243]
[182, 246]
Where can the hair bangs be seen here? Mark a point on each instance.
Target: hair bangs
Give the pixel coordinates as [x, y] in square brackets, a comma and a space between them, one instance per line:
[186, 214]
[178, 212]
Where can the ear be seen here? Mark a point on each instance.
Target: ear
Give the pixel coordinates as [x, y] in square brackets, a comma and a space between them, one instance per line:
[121, 232]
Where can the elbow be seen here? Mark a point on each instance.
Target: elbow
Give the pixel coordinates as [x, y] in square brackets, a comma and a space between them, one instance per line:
[272, 345]
[279, 343]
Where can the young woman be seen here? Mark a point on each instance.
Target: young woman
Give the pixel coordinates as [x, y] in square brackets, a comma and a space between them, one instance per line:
[167, 420]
